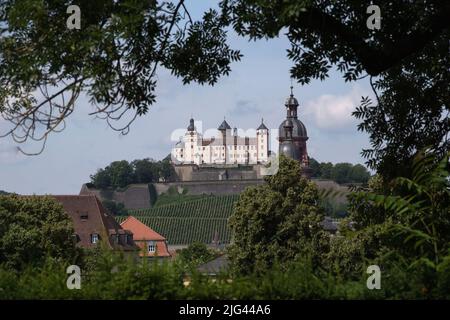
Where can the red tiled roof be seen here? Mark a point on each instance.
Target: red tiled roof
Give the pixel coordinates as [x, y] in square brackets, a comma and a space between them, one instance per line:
[143, 234]
[140, 230]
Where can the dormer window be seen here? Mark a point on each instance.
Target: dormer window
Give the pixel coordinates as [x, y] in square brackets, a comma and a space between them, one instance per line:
[83, 216]
[94, 238]
[151, 247]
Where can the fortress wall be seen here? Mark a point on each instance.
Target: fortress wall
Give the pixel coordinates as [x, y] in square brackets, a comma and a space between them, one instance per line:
[135, 196]
[209, 187]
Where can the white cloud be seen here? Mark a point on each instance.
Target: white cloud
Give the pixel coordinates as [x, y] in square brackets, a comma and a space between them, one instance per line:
[334, 112]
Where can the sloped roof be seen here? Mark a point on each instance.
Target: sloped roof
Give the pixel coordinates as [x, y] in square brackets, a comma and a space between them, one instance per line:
[98, 220]
[215, 266]
[224, 125]
[140, 230]
[262, 126]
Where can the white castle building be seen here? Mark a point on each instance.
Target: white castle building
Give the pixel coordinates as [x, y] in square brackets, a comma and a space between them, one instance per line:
[226, 148]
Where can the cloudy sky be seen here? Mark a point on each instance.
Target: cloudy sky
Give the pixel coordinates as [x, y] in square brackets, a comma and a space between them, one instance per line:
[255, 89]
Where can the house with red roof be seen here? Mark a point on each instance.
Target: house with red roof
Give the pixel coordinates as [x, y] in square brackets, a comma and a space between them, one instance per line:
[152, 244]
[93, 224]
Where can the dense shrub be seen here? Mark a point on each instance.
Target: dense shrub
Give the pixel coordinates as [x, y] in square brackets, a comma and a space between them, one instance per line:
[32, 229]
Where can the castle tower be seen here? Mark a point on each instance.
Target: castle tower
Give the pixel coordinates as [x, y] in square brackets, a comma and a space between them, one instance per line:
[192, 140]
[292, 133]
[262, 137]
[225, 131]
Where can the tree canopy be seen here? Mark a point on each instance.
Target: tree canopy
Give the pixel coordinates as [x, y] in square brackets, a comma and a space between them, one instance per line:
[113, 59]
[276, 222]
[119, 174]
[196, 254]
[33, 229]
[339, 172]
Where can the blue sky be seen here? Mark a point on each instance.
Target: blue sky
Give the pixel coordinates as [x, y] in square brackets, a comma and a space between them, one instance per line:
[255, 89]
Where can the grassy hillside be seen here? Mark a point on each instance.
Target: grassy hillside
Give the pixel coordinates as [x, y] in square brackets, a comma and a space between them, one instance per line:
[195, 219]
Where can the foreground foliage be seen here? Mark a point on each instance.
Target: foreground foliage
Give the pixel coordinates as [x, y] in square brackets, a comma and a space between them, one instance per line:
[116, 277]
[32, 229]
[403, 223]
[277, 221]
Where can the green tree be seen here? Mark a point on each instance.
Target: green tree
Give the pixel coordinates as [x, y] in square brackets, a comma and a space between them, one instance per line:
[33, 229]
[118, 174]
[166, 170]
[326, 170]
[341, 172]
[196, 254]
[359, 174]
[144, 170]
[277, 222]
[408, 221]
[121, 173]
[101, 179]
[315, 168]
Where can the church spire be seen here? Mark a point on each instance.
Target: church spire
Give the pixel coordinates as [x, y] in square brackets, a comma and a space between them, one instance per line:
[291, 104]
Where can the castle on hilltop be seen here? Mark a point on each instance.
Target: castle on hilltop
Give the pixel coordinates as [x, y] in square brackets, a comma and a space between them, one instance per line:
[228, 148]
[222, 165]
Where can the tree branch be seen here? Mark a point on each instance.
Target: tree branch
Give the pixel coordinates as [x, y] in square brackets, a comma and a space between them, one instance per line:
[374, 60]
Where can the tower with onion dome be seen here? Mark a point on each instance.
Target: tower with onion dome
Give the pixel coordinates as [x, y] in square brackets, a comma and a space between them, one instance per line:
[292, 134]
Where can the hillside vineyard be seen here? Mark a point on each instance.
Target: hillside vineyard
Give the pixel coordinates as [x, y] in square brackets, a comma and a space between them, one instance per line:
[201, 220]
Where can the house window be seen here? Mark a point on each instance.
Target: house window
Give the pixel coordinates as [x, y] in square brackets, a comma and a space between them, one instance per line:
[84, 216]
[151, 247]
[94, 238]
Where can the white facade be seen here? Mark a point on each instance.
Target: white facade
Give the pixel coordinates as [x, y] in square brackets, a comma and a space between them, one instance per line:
[226, 148]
